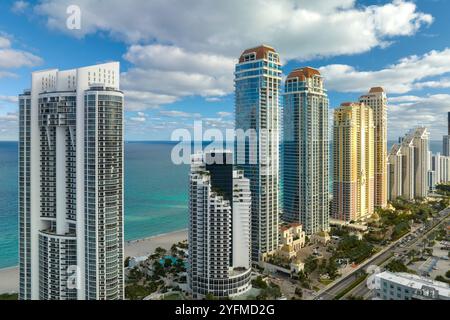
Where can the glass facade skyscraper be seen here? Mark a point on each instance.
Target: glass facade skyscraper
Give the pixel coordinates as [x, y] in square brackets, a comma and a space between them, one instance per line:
[257, 110]
[305, 151]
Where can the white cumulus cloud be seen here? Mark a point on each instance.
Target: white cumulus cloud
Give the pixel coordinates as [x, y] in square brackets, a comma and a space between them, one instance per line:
[13, 58]
[175, 53]
[406, 112]
[299, 29]
[406, 75]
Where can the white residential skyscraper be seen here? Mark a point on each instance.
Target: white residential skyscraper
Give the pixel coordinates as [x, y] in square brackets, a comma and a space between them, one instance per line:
[408, 166]
[439, 169]
[71, 185]
[219, 227]
[257, 110]
[306, 151]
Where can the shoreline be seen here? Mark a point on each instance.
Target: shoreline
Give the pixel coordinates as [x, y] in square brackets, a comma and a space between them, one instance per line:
[129, 242]
[9, 276]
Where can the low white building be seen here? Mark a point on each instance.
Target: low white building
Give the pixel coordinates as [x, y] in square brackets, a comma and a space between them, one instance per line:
[405, 286]
[439, 169]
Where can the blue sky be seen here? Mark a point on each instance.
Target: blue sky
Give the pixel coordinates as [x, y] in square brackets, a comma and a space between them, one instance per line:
[177, 57]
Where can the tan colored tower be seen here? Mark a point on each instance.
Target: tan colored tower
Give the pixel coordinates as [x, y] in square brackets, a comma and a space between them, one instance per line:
[408, 166]
[353, 162]
[377, 100]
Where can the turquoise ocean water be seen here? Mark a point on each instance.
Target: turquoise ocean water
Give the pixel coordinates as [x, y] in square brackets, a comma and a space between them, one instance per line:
[156, 194]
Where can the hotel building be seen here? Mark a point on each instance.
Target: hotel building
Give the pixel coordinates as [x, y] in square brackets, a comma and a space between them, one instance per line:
[377, 100]
[405, 286]
[219, 227]
[353, 162]
[408, 166]
[306, 151]
[257, 110]
[71, 185]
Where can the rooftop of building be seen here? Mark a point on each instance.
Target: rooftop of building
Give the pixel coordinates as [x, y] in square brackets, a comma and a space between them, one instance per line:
[261, 52]
[416, 282]
[99, 65]
[419, 132]
[349, 104]
[395, 149]
[288, 226]
[376, 89]
[303, 73]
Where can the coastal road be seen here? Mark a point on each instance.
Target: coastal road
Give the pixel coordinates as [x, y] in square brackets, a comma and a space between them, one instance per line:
[331, 292]
[383, 256]
[361, 289]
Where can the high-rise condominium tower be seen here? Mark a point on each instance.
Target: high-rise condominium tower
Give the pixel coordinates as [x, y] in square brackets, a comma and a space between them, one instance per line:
[408, 166]
[446, 139]
[257, 84]
[305, 152]
[219, 227]
[441, 166]
[71, 185]
[377, 100]
[353, 159]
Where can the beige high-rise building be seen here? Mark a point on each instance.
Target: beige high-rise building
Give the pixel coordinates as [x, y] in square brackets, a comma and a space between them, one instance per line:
[377, 100]
[408, 166]
[353, 162]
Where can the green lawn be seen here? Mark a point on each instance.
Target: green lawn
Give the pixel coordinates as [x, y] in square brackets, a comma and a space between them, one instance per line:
[173, 296]
[325, 281]
[7, 296]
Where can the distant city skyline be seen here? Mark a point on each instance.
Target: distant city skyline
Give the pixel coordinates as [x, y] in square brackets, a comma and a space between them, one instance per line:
[174, 74]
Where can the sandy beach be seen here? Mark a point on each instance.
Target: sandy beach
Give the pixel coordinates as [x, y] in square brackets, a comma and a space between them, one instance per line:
[9, 280]
[146, 246]
[9, 277]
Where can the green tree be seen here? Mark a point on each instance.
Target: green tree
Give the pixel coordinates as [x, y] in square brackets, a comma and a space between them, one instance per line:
[274, 291]
[310, 264]
[332, 268]
[9, 296]
[299, 292]
[167, 263]
[262, 296]
[442, 279]
[259, 283]
[210, 296]
[158, 269]
[174, 250]
[179, 266]
[160, 251]
[396, 266]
